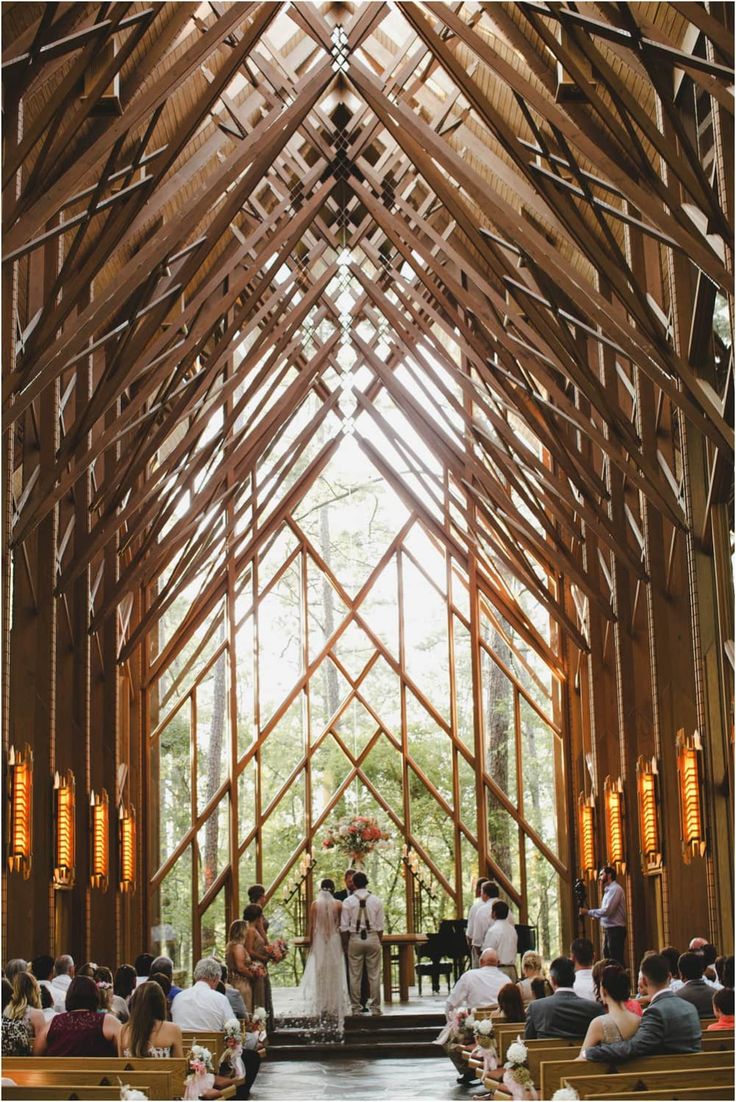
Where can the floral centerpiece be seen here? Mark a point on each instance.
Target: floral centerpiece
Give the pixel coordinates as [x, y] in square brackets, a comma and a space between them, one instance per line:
[234, 1048]
[516, 1077]
[356, 837]
[200, 1073]
[485, 1044]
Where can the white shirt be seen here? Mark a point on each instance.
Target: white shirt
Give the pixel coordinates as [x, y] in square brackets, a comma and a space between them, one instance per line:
[59, 987]
[478, 987]
[481, 921]
[584, 986]
[201, 1007]
[474, 906]
[351, 918]
[502, 937]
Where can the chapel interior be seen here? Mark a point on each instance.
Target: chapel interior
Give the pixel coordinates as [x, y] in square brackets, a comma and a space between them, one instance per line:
[367, 449]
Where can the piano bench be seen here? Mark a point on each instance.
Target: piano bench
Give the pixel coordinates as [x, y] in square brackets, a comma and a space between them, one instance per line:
[434, 971]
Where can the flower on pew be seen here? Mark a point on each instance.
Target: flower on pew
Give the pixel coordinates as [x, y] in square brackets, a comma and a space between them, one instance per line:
[260, 1014]
[485, 1045]
[565, 1094]
[200, 1076]
[516, 1077]
[130, 1094]
[459, 1030]
[233, 1058]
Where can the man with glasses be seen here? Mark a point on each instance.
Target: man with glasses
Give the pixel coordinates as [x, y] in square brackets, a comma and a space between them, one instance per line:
[611, 914]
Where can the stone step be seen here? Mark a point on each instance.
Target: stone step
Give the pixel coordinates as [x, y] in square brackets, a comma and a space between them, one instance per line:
[393, 1021]
[379, 1050]
[363, 1037]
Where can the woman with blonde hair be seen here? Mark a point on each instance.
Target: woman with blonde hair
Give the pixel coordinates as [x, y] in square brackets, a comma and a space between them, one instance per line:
[25, 1004]
[239, 963]
[532, 968]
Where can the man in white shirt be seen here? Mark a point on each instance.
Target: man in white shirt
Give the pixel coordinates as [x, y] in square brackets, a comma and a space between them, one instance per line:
[63, 976]
[361, 927]
[472, 909]
[482, 920]
[200, 1006]
[478, 987]
[502, 937]
[581, 955]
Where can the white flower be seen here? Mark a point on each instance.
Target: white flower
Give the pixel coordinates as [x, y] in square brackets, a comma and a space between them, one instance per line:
[131, 1094]
[565, 1094]
[232, 1028]
[470, 1021]
[516, 1053]
[259, 1014]
[484, 1027]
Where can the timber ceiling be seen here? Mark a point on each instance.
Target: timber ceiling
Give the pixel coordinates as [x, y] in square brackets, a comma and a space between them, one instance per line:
[467, 176]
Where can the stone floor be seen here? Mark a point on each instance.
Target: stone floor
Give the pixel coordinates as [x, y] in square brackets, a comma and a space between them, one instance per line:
[358, 1080]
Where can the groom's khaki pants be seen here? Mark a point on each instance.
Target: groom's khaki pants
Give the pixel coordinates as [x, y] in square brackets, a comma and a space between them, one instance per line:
[366, 952]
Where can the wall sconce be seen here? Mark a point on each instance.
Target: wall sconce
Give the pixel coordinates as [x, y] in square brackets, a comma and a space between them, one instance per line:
[20, 766]
[646, 784]
[65, 852]
[127, 849]
[614, 801]
[99, 840]
[688, 775]
[586, 830]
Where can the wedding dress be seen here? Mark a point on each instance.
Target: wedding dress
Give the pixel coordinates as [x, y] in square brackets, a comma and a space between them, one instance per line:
[322, 999]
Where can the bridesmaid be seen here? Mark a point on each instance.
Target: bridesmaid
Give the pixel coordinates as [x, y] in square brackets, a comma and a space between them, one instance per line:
[256, 947]
[239, 963]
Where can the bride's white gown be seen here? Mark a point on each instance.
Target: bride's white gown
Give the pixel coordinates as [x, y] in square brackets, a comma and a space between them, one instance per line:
[322, 999]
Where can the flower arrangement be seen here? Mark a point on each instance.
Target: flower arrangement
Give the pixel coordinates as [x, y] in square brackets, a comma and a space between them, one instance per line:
[516, 1077]
[234, 1048]
[131, 1094]
[356, 837]
[463, 1021]
[485, 1045]
[277, 950]
[565, 1094]
[260, 1014]
[200, 1073]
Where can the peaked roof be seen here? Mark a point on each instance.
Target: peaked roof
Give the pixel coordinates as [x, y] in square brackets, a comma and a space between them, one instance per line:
[410, 208]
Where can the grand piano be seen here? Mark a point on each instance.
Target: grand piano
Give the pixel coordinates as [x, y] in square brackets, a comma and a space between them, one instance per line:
[448, 954]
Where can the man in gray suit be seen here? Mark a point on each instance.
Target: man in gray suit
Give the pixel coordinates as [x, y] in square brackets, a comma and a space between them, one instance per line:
[669, 1024]
[562, 1014]
[695, 990]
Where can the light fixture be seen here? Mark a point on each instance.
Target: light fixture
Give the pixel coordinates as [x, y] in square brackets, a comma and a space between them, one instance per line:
[99, 838]
[20, 765]
[586, 831]
[614, 802]
[688, 775]
[646, 784]
[65, 851]
[127, 849]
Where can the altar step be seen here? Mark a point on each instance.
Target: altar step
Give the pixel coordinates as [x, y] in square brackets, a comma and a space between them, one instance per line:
[391, 1036]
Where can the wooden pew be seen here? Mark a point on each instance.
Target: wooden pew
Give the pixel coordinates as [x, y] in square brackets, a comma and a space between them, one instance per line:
[506, 1032]
[95, 1094]
[552, 1071]
[214, 1041]
[166, 1077]
[635, 1081]
[155, 1083]
[676, 1094]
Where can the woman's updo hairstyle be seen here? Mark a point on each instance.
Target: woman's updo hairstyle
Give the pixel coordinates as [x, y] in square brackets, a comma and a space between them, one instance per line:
[615, 982]
[327, 885]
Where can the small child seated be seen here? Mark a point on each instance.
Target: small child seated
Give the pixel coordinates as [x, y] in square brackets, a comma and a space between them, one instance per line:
[723, 1009]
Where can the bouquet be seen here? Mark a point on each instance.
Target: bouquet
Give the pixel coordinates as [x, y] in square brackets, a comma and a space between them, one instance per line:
[485, 1047]
[355, 837]
[516, 1076]
[200, 1073]
[234, 1048]
[257, 970]
[277, 950]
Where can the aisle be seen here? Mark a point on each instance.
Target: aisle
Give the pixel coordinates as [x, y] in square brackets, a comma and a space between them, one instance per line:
[358, 1079]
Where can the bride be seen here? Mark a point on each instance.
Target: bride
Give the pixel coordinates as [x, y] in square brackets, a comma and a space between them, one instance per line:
[322, 998]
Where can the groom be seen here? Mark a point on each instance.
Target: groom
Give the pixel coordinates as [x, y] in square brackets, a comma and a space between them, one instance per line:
[361, 927]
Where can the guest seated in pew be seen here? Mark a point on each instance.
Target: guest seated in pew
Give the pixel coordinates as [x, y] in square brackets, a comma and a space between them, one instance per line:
[202, 1006]
[63, 976]
[142, 965]
[562, 1014]
[709, 953]
[669, 1024]
[727, 978]
[47, 1003]
[723, 1009]
[124, 982]
[672, 955]
[166, 965]
[532, 969]
[618, 1023]
[694, 988]
[148, 1033]
[479, 986]
[233, 996]
[81, 1030]
[43, 969]
[88, 969]
[13, 967]
[23, 1018]
[581, 955]
[165, 984]
[109, 1001]
[632, 1005]
[510, 1004]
